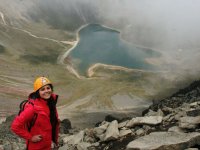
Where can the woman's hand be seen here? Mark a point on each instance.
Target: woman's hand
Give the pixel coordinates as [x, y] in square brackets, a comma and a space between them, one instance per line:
[36, 138]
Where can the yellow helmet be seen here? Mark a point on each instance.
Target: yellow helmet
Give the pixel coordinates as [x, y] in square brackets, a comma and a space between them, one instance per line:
[40, 82]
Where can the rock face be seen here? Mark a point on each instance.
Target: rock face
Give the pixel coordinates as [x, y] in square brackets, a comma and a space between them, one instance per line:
[154, 131]
[165, 140]
[151, 120]
[171, 123]
[65, 125]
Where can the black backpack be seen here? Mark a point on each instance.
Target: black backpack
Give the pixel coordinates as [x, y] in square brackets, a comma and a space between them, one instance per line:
[21, 109]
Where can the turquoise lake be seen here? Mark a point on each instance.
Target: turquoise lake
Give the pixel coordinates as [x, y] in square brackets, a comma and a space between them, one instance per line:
[98, 44]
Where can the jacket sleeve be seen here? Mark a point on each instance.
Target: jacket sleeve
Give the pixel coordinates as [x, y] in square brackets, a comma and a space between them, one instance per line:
[18, 124]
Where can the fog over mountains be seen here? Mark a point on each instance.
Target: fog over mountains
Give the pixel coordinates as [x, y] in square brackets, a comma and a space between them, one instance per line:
[168, 26]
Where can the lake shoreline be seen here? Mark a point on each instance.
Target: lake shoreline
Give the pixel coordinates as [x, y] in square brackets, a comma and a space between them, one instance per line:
[91, 69]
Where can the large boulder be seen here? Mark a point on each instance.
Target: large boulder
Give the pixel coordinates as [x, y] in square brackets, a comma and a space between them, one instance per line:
[151, 120]
[165, 141]
[189, 122]
[65, 125]
[112, 131]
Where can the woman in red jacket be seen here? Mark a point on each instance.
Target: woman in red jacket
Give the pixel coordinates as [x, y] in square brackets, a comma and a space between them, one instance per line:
[42, 106]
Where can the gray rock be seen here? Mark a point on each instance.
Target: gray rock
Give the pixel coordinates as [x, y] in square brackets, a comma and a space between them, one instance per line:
[83, 146]
[122, 124]
[89, 136]
[189, 122]
[168, 118]
[124, 132]
[180, 114]
[67, 147]
[112, 131]
[175, 129]
[194, 104]
[2, 119]
[74, 139]
[193, 112]
[7, 145]
[165, 141]
[155, 113]
[140, 132]
[151, 120]
[101, 129]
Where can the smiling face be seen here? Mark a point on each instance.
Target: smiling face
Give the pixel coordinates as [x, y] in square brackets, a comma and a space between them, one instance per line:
[45, 91]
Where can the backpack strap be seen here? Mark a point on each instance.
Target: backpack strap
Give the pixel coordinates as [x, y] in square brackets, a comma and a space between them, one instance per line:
[31, 124]
[22, 105]
[33, 120]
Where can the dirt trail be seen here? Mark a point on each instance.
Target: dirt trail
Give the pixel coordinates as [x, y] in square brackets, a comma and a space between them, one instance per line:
[112, 67]
[61, 58]
[2, 17]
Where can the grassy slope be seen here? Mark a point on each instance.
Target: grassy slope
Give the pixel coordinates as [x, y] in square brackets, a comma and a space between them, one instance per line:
[23, 59]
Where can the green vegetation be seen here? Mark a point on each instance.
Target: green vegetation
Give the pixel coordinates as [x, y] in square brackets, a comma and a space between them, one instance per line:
[40, 59]
[50, 57]
[2, 49]
[44, 30]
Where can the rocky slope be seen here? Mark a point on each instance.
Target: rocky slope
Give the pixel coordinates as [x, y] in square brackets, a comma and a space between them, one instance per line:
[170, 123]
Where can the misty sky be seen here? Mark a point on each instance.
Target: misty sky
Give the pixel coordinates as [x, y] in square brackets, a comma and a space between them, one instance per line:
[166, 24]
[163, 24]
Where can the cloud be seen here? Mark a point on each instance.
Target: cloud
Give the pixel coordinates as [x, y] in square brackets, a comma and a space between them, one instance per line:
[169, 26]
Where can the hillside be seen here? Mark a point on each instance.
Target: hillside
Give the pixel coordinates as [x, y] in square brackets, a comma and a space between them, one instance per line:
[167, 117]
[169, 123]
[34, 40]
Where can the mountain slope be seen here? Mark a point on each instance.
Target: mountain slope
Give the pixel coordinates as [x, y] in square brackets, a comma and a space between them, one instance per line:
[31, 47]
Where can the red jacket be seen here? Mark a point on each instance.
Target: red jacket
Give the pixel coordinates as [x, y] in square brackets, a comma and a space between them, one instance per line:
[42, 124]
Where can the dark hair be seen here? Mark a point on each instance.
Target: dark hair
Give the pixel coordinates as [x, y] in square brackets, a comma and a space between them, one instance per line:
[34, 95]
[51, 86]
[53, 119]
